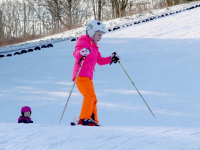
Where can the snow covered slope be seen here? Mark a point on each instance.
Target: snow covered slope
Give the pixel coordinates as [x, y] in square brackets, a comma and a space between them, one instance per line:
[161, 57]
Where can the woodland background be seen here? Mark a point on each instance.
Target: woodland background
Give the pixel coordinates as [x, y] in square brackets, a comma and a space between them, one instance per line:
[23, 20]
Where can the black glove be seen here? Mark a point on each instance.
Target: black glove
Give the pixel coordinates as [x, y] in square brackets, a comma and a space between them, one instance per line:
[114, 58]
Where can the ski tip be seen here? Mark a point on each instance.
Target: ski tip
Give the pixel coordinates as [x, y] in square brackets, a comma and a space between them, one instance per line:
[73, 124]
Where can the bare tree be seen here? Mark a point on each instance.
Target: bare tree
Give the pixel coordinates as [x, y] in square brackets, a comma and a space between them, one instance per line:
[94, 9]
[1, 28]
[22, 20]
[63, 11]
[99, 9]
[97, 6]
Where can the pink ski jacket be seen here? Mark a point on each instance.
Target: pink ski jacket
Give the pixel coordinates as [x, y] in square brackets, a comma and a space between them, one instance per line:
[84, 41]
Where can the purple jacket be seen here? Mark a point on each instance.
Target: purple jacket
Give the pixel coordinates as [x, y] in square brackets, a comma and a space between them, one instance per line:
[84, 41]
[22, 119]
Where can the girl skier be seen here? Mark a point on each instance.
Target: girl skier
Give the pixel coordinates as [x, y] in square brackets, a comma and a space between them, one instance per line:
[26, 113]
[86, 47]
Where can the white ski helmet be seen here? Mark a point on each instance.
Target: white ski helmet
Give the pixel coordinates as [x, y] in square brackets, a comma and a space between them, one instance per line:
[93, 26]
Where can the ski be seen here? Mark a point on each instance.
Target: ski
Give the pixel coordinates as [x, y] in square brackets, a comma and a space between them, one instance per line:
[75, 122]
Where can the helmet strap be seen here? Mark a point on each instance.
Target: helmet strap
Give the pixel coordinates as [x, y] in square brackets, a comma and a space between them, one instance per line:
[90, 33]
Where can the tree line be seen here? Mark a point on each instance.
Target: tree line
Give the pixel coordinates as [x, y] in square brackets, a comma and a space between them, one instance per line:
[22, 20]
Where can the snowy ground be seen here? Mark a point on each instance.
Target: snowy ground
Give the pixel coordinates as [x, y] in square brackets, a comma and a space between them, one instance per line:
[161, 57]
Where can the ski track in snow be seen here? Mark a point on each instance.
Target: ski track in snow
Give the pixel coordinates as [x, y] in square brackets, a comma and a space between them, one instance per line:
[162, 59]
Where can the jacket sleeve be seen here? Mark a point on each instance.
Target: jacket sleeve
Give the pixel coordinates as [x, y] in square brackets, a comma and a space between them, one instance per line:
[22, 121]
[30, 121]
[103, 60]
[80, 44]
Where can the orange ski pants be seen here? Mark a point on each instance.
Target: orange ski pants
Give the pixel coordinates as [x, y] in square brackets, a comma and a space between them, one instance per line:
[89, 106]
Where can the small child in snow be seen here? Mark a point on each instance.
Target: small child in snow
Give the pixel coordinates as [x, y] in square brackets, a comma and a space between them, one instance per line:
[26, 113]
[86, 46]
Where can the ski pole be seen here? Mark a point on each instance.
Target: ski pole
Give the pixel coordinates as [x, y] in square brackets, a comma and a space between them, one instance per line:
[72, 87]
[137, 89]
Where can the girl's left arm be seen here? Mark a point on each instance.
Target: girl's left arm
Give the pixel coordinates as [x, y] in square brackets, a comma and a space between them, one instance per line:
[23, 121]
[103, 60]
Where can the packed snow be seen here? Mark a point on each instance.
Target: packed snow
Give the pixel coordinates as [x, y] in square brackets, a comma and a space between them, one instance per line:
[162, 59]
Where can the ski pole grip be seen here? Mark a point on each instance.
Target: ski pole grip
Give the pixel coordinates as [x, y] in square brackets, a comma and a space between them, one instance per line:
[82, 58]
[114, 53]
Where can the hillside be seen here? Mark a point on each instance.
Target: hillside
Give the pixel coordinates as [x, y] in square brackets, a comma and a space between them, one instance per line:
[161, 57]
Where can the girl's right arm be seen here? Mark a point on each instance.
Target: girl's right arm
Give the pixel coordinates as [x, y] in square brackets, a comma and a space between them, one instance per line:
[80, 44]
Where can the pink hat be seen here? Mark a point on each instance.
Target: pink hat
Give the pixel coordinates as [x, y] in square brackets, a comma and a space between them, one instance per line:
[25, 109]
